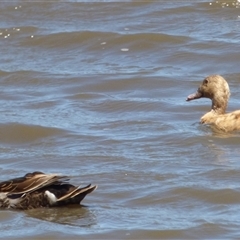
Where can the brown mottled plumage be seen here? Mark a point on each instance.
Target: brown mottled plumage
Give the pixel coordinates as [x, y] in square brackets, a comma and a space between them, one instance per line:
[38, 189]
[216, 88]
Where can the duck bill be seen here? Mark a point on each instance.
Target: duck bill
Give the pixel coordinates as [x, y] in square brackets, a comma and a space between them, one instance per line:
[193, 96]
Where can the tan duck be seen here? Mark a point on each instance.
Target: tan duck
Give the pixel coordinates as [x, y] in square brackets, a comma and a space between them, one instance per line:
[38, 189]
[216, 88]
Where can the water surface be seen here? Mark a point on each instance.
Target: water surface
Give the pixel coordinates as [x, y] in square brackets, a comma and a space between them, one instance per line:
[96, 90]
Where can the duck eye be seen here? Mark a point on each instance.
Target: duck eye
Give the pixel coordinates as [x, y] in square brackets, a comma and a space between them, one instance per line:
[205, 81]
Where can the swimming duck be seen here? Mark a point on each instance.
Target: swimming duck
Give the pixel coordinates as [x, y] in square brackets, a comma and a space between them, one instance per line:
[38, 189]
[216, 88]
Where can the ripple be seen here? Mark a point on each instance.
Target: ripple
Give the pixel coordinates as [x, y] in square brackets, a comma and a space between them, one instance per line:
[16, 133]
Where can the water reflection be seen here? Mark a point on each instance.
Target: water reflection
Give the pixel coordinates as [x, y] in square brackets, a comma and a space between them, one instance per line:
[73, 216]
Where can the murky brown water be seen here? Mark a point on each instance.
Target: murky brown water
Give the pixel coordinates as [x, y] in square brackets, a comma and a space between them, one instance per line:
[96, 90]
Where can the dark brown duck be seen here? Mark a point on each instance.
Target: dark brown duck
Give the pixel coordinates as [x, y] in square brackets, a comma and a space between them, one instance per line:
[37, 189]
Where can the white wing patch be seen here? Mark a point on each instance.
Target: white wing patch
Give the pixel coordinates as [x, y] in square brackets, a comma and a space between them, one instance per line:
[51, 197]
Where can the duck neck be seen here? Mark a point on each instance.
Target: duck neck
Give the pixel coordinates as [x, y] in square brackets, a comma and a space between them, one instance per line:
[219, 106]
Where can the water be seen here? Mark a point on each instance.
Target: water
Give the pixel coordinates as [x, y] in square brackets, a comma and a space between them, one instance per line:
[96, 90]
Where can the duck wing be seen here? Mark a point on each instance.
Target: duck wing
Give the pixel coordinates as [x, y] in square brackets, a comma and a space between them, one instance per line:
[78, 191]
[31, 182]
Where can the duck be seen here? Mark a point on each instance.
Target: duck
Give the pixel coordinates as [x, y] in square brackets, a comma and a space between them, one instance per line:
[216, 88]
[38, 189]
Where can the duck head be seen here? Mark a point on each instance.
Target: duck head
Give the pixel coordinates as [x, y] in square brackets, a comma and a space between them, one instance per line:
[216, 88]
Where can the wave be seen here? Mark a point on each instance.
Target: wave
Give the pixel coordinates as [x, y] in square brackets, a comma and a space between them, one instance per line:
[93, 38]
[17, 133]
